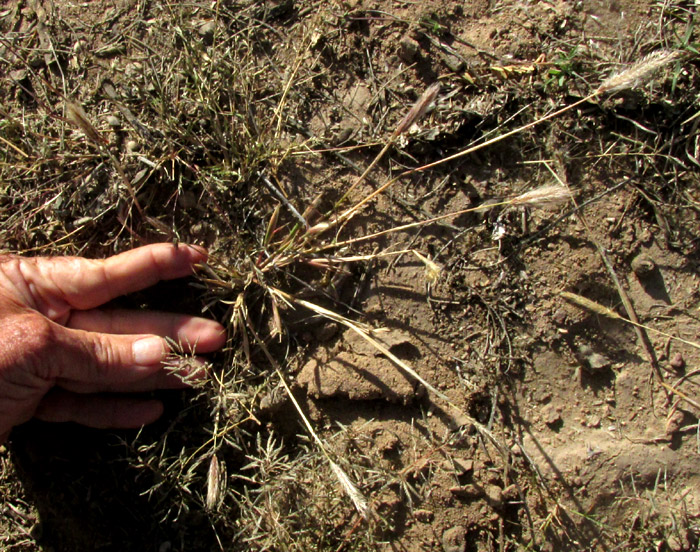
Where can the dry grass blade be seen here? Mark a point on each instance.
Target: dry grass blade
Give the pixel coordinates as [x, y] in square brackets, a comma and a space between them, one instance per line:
[624, 297]
[364, 334]
[597, 308]
[682, 395]
[638, 73]
[11, 145]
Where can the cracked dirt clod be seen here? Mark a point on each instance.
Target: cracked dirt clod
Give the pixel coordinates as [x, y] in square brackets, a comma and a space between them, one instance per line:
[408, 49]
[361, 372]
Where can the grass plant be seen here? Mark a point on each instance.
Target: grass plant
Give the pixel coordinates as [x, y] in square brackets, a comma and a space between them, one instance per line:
[207, 148]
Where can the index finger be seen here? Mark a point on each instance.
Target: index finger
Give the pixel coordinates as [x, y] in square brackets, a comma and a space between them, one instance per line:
[88, 283]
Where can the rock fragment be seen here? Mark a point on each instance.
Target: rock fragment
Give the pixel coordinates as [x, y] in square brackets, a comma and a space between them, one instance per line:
[454, 539]
[677, 362]
[643, 265]
[593, 360]
[408, 49]
[454, 63]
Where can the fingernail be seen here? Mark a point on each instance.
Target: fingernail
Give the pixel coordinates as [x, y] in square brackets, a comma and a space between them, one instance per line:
[148, 350]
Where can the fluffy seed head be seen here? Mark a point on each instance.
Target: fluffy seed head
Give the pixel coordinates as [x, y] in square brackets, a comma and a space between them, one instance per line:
[355, 495]
[432, 269]
[638, 73]
[543, 197]
[215, 478]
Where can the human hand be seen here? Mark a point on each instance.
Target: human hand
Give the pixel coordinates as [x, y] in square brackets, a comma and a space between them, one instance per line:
[58, 351]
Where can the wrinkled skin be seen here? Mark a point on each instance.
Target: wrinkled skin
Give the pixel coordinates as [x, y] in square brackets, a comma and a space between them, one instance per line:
[63, 359]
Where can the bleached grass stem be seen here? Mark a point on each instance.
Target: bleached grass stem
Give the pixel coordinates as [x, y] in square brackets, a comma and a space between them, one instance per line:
[349, 487]
[635, 75]
[597, 308]
[414, 114]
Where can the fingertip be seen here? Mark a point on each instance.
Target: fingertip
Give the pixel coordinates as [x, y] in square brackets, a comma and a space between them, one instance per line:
[216, 336]
[140, 413]
[147, 351]
[196, 253]
[180, 255]
[201, 335]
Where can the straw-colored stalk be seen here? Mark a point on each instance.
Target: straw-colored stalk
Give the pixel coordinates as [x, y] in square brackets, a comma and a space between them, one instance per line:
[635, 75]
[364, 333]
[597, 308]
[346, 483]
[414, 114]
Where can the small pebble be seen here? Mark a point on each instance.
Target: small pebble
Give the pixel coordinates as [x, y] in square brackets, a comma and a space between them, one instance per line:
[494, 496]
[132, 146]
[453, 63]
[559, 317]
[463, 466]
[643, 265]
[113, 121]
[674, 422]
[510, 493]
[551, 416]
[206, 31]
[467, 491]
[595, 361]
[677, 362]
[408, 49]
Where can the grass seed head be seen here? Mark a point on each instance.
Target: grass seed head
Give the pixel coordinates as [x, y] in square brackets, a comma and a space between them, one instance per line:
[215, 477]
[543, 197]
[76, 115]
[419, 108]
[355, 495]
[432, 269]
[638, 73]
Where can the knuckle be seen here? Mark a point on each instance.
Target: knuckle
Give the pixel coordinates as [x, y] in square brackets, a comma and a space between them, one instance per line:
[102, 350]
[30, 343]
[106, 354]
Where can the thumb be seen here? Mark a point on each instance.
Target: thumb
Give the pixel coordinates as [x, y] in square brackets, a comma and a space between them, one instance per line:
[101, 361]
